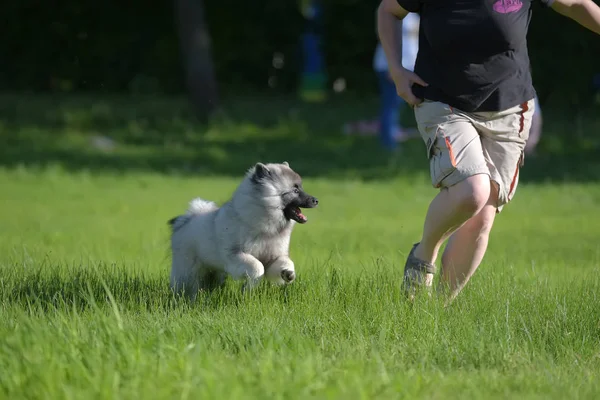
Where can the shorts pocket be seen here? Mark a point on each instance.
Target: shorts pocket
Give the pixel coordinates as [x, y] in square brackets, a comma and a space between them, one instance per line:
[431, 117]
[442, 161]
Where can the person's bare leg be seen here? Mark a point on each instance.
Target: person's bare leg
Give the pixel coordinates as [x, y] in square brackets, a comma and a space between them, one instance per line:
[451, 208]
[448, 211]
[466, 248]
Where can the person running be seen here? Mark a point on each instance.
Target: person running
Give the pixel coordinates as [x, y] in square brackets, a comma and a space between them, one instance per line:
[473, 100]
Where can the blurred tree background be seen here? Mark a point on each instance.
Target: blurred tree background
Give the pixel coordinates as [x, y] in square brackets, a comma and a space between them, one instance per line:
[139, 47]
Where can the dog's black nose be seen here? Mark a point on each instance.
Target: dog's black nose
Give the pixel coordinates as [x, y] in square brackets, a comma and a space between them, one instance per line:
[315, 201]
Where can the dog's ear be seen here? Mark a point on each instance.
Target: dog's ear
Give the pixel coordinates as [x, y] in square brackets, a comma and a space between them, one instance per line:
[261, 171]
[286, 164]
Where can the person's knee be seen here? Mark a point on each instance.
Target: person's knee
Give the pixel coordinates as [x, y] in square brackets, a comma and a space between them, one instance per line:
[472, 194]
[482, 221]
[481, 224]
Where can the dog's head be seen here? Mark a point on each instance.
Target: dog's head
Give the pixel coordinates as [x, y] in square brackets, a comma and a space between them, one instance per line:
[282, 189]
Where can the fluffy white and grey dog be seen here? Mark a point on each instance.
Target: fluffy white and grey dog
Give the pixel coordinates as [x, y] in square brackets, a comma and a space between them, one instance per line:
[248, 237]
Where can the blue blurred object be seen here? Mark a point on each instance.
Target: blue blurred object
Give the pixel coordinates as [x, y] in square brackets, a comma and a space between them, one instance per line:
[311, 9]
[313, 60]
[312, 87]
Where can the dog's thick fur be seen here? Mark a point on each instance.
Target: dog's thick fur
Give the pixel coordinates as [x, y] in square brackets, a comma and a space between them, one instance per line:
[248, 237]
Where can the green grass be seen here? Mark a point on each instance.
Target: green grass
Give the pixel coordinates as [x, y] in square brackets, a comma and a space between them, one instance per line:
[87, 314]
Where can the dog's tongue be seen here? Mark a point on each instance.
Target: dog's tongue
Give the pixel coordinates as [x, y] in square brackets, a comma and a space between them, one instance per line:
[301, 216]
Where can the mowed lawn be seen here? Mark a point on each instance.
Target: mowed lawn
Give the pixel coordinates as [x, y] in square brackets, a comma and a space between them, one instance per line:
[86, 310]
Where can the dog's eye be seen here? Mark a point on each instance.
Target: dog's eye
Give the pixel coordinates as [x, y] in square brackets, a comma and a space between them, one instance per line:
[296, 190]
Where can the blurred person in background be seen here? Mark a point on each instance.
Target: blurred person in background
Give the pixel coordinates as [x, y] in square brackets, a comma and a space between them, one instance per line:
[388, 125]
[535, 132]
[390, 130]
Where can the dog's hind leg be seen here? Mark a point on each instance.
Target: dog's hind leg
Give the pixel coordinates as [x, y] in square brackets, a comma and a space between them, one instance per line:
[184, 274]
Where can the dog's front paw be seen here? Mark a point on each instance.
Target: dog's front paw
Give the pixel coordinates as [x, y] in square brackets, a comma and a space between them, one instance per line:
[288, 275]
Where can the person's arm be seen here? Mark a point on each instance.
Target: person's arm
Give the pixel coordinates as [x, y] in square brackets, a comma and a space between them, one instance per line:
[584, 12]
[398, 33]
[388, 13]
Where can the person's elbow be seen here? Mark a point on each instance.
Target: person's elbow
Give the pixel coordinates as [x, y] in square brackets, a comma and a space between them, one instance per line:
[584, 12]
[390, 8]
[569, 8]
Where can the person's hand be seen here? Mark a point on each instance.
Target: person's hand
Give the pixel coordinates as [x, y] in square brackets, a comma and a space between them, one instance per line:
[404, 79]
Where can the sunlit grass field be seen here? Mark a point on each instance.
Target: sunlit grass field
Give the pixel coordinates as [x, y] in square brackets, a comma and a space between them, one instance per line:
[84, 262]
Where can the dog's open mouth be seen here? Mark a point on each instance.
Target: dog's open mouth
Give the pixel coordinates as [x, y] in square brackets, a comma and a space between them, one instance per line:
[295, 213]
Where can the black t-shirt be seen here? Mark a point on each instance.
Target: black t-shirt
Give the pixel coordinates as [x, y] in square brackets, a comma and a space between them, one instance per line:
[473, 53]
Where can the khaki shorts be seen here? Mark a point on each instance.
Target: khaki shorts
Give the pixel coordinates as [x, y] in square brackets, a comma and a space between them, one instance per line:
[461, 144]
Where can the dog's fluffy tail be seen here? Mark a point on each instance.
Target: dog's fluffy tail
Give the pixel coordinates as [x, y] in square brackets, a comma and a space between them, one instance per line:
[196, 207]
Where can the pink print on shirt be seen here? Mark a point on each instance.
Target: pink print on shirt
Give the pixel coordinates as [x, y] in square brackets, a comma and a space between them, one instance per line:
[507, 6]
